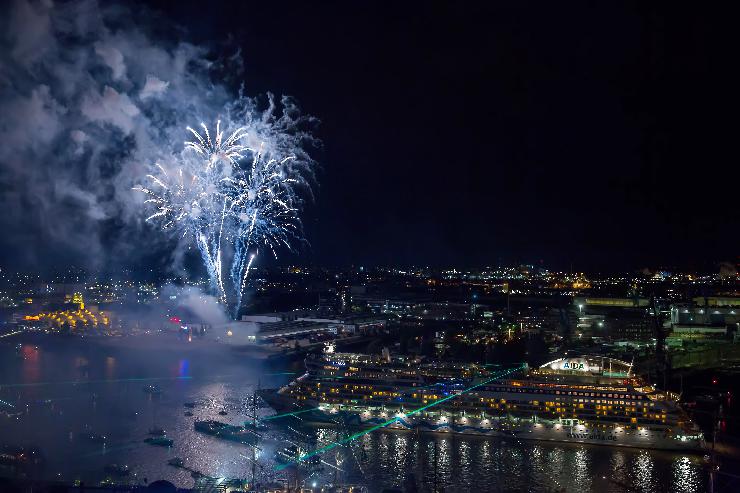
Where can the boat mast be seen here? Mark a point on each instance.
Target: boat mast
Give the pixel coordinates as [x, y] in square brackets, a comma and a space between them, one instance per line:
[254, 430]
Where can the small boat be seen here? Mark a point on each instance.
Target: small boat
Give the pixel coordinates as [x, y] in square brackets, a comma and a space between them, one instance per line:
[258, 426]
[94, 437]
[152, 389]
[223, 413]
[226, 431]
[292, 455]
[176, 462]
[160, 441]
[19, 456]
[157, 431]
[117, 469]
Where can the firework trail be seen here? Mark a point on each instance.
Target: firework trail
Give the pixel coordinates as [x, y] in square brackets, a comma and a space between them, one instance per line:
[232, 200]
[265, 213]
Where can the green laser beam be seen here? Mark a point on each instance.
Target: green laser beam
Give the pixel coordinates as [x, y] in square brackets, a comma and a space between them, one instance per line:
[276, 416]
[11, 333]
[6, 403]
[78, 382]
[391, 421]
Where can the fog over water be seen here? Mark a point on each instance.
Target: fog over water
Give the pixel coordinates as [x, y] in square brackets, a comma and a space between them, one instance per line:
[64, 388]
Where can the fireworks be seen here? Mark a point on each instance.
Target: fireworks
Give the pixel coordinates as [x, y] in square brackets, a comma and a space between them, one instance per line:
[229, 149]
[231, 200]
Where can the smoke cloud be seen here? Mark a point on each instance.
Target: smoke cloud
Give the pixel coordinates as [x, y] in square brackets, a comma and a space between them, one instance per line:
[203, 307]
[91, 99]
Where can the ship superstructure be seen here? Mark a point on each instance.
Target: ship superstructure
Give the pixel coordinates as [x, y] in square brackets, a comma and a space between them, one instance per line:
[588, 399]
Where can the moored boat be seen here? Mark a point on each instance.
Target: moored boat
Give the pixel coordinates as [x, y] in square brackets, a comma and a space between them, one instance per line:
[152, 389]
[160, 441]
[226, 431]
[117, 469]
[176, 462]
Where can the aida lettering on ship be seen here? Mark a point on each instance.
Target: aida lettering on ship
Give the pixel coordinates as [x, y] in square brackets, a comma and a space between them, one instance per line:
[587, 399]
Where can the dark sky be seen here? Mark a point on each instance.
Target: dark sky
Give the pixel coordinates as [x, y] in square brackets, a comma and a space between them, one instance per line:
[593, 133]
[597, 135]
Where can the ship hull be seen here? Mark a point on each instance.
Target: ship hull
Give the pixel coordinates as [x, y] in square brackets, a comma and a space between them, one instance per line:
[521, 429]
[529, 430]
[285, 405]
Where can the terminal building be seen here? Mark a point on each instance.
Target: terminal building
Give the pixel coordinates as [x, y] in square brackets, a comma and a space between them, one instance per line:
[703, 323]
[302, 326]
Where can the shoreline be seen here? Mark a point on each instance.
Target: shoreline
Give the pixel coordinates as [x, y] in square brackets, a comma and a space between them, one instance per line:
[154, 342]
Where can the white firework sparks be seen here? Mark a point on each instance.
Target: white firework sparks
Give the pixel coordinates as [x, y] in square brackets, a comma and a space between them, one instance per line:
[228, 204]
[216, 149]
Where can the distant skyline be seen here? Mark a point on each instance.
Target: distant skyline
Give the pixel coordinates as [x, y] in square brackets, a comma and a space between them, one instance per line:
[725, 270]
[594, 135]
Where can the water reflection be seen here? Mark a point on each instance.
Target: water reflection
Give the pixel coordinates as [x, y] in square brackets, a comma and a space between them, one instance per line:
[31, 364]
[112, 402]
[183, 368]
[686, 477]
[643, 469]
[110, 367]
[465, 461]
[619, 473]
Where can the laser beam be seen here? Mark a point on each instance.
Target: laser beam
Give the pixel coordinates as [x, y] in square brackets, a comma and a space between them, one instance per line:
[79, 382]
[395, 419]
[284, 415]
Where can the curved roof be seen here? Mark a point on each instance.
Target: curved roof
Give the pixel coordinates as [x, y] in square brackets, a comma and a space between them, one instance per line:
[590, 364]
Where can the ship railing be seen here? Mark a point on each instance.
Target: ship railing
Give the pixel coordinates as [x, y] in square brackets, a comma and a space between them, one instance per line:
[672, 395]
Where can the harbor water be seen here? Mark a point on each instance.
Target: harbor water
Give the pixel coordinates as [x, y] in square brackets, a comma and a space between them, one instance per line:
[61, 396]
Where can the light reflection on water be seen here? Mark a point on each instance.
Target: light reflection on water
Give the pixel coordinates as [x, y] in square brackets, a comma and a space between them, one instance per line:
[221, 382]
[581, 472]
[643, 468]
[685, 476]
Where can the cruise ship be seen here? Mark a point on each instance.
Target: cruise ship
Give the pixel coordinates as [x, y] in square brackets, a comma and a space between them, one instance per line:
[586, 399]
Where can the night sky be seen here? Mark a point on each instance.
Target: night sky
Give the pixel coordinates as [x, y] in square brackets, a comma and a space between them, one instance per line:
[591, 135]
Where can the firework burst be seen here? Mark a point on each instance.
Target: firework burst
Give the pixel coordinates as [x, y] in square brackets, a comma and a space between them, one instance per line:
[231, 200]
